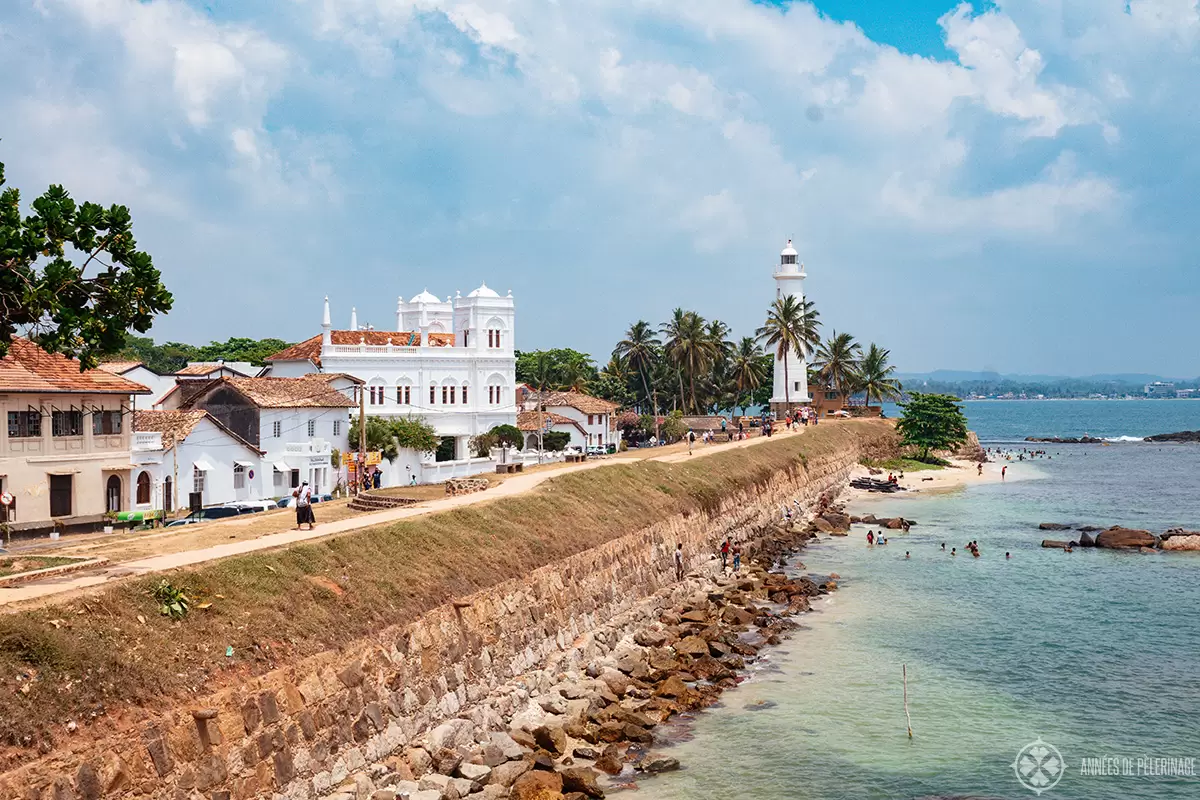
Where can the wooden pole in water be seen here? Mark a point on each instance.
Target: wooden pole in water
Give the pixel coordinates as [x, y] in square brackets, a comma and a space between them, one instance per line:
[904, 668]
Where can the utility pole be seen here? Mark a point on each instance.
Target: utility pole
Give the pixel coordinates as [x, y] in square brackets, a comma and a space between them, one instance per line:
[362, 438]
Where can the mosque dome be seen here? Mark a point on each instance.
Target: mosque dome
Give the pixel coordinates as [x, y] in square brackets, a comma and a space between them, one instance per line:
[483, 291]
[425, 297]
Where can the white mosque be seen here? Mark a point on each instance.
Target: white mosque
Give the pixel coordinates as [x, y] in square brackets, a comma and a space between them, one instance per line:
[789, 281]
[451, 362]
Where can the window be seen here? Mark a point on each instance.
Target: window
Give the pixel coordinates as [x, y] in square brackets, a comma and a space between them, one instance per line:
[337, 427]
[453, 391]
[197, 480]
[464, 394]
[445, 395]
[491, 394]
[589, 419]
[106, 423]
[404, 395]
[143, 489]
[312, 427]
[239, 477]
[493, 337]
[796, 386]
[24, 424]
[466, 335]
[490, 339]
[277, 429]
[67, 423]
[431, 395]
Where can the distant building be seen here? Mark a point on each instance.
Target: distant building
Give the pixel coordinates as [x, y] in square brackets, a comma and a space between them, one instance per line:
[1185, 394]
[65, 449]
[1159, 389]
[595, 423]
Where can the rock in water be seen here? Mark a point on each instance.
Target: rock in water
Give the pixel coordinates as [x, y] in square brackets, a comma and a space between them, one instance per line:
[1085, 539]
[1186, 542]
[656, 764]
[1182, 436]
[1053, 526]
[1118, 538]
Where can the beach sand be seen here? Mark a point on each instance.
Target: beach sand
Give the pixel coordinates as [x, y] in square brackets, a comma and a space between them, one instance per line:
[961, 473]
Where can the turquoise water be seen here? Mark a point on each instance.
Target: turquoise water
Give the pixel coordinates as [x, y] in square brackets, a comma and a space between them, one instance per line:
[1095, 652]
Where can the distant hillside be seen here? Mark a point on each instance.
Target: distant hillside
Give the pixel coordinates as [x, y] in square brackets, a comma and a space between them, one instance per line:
[993, 384]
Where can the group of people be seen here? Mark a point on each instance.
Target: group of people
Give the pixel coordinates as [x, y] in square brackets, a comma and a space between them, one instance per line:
[731, 555]
[872, 539]
[801, 416]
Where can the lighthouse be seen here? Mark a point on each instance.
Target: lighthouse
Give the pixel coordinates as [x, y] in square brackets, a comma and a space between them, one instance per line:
[789, 282]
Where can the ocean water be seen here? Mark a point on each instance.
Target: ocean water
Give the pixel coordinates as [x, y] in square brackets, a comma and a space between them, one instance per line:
[1096, 653]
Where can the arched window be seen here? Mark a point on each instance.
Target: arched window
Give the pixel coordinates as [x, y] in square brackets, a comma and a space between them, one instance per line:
[495, 389]
[432, 394]
[404, 392]
[464, 394]
[143, 488]
[112, 499]
[495, 332]
[377, 392]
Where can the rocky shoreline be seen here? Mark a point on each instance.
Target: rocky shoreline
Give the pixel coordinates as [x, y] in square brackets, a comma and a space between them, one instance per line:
[1120, 538]
[575, 734]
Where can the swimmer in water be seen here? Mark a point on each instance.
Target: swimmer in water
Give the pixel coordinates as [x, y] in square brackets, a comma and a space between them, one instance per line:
[906, 554]
[1007, 556]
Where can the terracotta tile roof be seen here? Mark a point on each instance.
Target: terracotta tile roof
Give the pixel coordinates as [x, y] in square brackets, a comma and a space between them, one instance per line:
[308, 392]
[119, 367]
[580, 402]
[200, 369]
[28, 368]
[330, 376]
[175, 426]
[310, 349]
[532, 421]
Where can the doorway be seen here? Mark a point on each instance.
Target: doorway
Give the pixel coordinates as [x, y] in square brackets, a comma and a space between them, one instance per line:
[61, 491]
[112, 493]
[168, 496]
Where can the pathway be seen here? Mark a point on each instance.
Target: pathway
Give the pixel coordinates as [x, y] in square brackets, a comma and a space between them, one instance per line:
[72, 583]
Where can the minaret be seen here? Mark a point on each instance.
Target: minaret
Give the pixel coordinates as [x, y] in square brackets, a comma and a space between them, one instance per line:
[326, 326]
[789, 281]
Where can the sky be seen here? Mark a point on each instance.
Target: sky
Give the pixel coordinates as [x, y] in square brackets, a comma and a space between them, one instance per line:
[1007, 185]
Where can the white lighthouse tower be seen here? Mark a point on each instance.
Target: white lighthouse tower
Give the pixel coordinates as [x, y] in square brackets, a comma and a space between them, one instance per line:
[793, 390]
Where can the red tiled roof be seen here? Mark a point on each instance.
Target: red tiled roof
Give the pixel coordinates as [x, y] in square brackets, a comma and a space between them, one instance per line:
[580, 402]
[28, 368]
[201, 369]
[310, 349]
[308, 392]
[532, 421]
[119, 367]
[178, 425]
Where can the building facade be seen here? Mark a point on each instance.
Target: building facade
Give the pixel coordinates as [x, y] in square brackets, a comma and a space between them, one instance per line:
[450, 362]
[590, 421]
[790, 387]
[65, 445]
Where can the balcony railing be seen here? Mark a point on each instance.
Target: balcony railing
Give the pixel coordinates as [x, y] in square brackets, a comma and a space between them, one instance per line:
[371, 349]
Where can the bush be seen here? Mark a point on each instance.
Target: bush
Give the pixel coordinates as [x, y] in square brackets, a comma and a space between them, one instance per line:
[555, 440]
[508, 435]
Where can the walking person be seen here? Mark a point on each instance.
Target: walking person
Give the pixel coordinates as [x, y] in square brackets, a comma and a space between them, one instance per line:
[737, 556]
[691, 441]
[724, 554]
[304, 512]
[1003, 471]
[679, 561]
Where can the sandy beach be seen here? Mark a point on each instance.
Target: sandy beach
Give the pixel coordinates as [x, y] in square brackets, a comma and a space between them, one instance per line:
[960, 473]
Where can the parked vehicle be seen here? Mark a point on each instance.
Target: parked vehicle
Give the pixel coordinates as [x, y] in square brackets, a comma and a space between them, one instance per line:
[597, 450]
[286, 502]
[251, 506]
[185, 521]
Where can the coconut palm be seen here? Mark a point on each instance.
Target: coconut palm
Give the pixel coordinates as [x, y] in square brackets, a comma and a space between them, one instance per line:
[640, 349]
[791, 327]
[576, 374]
[875, 375]
[746, 369]
[837, 362]
[688, 346]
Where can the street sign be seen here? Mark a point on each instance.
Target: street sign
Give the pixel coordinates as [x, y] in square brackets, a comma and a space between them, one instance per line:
[7, 499]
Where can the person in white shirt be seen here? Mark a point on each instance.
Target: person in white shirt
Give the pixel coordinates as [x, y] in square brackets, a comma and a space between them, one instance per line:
[304, 512]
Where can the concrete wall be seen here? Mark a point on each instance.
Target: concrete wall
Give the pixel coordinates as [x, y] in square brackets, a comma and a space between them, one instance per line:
[297, 732]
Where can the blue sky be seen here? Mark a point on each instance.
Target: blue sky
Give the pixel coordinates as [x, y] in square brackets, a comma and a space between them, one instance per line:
[1006, 185]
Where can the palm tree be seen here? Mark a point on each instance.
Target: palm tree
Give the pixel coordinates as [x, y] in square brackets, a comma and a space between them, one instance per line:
[690, 349]
[576, 374]
[875, 375]
[837, 362]
[640, 350]
[791, 327]
[746, 369]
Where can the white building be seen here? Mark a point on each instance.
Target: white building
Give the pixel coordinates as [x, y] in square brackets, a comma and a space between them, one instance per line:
[590, 421]
[789, 281]
[1159, 389]
[450, 362]
[245, 439]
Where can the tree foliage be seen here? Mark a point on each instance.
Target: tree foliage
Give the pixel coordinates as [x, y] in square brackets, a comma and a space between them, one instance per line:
[508, 435]
[555, 440]
[173, 356]
[390, 435]
[71, 276]
[555, 369]
[932, 422]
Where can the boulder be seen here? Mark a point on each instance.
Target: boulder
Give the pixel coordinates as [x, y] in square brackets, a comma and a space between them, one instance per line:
[537, 785]
[507, 774]
[418, 760]
[445, 760]
[581, 779]
[1085, 539]
[672, 687]
[650, 637]
[1054, 526]
[474, 772]
[823, 525]
[695, 615]
[610, 760]
[551, 739]
[893, 524]
[692, 646]
[734, 616]
[1055, 544]
[839, 521]
[1118, 538]
[1190, 542]
[656, 764]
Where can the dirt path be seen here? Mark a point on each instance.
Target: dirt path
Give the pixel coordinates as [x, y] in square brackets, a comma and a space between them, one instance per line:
[33, 593]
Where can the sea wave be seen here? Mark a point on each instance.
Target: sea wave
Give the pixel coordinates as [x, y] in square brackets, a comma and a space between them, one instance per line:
[1124, 439]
